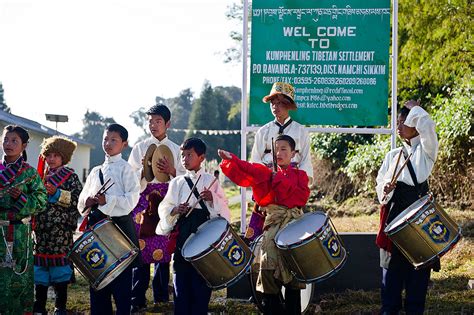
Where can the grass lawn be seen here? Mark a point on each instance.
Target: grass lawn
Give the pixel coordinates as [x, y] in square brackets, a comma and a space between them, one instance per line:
[448, 293]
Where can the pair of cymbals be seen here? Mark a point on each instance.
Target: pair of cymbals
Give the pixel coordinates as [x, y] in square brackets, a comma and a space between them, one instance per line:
[150, 162]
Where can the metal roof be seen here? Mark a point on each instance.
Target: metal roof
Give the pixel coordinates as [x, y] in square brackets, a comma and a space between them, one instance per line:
[31, 125]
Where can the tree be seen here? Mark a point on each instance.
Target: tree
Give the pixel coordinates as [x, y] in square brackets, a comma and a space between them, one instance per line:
[435, 47]
[235, 13]
[3, 105]
[180, 107]
[204, 116]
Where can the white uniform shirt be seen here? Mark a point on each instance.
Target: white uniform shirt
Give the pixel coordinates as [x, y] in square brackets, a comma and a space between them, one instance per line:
[178, 192]
[122, 197]
[424, 148]
[139, 151]
[263, 141]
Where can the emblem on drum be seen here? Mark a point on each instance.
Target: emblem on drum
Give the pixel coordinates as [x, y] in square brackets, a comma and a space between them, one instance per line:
[235, 254]
[94, 256]
[436, 229]
[332, 245]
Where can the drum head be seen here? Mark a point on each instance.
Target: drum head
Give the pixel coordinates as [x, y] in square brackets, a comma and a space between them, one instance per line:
[300, 229]
[207, 234]
[306, 294]
[407, 214]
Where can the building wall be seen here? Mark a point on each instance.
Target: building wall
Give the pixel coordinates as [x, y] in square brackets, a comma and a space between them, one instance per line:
[80, 160]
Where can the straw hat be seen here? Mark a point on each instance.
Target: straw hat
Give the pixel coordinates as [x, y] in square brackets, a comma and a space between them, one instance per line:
[161, 152]
[147, 162]
[282, 88]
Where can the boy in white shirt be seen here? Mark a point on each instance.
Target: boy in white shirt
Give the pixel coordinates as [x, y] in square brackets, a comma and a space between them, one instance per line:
[117, 202]
[191, 294]
[153, 247]
[417, 131]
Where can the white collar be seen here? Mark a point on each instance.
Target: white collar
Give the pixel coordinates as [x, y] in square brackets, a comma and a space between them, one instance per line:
[113, 159]
[156, 141]
[194, 174]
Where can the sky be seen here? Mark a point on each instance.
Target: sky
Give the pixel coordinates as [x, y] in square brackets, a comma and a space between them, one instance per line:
[111, 56]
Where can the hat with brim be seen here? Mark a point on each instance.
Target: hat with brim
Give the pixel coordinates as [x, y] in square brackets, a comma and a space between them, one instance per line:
[147, 163]
[161, 152]
[282, 88]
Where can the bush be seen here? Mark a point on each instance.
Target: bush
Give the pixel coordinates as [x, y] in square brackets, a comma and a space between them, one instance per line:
[453, 115]
[363, 163]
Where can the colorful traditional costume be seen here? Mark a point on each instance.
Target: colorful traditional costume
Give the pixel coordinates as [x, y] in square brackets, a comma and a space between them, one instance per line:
[153, 247]
[281, 195]
[54, 228]
[16, 245]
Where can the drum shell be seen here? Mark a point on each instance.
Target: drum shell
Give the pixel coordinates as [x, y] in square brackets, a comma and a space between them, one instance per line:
[212, 264]
[413, 239]
[115, 250]
[310, 260]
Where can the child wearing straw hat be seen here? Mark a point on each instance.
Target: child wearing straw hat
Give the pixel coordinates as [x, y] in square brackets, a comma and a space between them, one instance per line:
[54, 228]
[420, 148]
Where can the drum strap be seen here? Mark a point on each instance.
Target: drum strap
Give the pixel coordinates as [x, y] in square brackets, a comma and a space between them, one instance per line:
[413, 176]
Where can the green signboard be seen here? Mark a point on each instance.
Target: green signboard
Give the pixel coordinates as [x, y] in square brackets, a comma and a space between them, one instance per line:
[335, 53]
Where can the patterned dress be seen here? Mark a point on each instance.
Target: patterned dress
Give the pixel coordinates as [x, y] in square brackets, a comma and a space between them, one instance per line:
[16, 243]
[55, 227]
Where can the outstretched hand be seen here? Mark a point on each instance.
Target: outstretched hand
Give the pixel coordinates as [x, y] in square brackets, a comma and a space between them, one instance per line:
[224, 154]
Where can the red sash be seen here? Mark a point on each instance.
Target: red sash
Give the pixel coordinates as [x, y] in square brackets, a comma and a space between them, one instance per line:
[382, 240]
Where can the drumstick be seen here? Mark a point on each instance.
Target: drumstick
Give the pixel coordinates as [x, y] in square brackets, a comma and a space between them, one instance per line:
[199, 199]
[192, 189]
[105, 190]
[394, 178]
[401, 168]
[396, 165]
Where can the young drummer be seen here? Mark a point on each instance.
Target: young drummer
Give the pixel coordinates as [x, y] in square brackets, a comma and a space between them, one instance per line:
[153, 247]
[54, 228]
[191, 294]
[117, 202]
[417, 131]
[22, 194]
[281, 194]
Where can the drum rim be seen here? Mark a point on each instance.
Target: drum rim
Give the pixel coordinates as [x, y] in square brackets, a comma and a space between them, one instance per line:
[305, 240]
[126, 260]
[429, 200]
[212, 246]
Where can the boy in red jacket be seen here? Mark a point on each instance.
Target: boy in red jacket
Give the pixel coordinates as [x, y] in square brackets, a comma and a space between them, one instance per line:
[280, 193]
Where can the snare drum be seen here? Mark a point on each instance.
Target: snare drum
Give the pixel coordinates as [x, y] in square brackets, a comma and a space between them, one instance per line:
[306, 293]
[423, 232]
[218, 253]
[102, 253]
[311, 247]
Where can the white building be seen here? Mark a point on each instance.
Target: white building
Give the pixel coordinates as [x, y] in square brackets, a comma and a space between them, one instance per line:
[80, 159]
